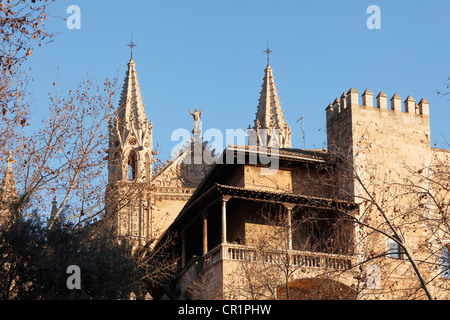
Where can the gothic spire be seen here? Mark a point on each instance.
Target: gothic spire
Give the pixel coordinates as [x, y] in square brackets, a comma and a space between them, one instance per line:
[269, 115]
[8, 189]
[131, 142]
[131, 106]
[8, 192]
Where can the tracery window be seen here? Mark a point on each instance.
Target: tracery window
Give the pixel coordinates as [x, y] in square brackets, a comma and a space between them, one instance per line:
[132, 163]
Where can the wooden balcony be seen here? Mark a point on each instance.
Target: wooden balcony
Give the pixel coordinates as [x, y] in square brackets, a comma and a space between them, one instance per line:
[297, 258]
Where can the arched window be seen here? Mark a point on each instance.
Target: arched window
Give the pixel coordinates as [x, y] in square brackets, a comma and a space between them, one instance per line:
[132, 164]
[316, 289]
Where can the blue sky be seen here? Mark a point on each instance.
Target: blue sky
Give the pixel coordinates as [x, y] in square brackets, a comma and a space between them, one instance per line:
[208, 54]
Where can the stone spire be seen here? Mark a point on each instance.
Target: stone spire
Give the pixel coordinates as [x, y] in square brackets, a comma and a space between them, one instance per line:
[53, 212]
[131, 143]
[269, 116]
[54, 209]
[131, 106]
[8, 189]
[8, 192]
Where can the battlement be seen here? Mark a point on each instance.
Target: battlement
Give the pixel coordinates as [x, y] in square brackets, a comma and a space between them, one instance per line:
[400, 127]
[351, 99]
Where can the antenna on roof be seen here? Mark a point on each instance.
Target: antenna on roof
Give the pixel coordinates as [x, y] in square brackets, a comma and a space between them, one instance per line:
[303, 129]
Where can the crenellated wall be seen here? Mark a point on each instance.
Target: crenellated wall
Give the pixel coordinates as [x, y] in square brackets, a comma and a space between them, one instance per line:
[352, 98]
[377, 142]
[394, 132]
[387, 146]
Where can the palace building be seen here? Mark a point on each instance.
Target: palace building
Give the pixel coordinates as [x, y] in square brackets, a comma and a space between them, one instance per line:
[268, 221]
[362, 219]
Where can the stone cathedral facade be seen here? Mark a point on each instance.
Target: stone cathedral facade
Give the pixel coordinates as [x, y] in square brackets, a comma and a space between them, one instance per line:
[217, 209]
[139, 204]
[142, 205]
[265, 205]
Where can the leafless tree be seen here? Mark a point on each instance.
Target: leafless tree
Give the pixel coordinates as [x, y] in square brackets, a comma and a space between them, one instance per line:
[401, 221]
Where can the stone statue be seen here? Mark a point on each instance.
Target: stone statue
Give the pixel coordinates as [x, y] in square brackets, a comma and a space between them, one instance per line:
[197, 118]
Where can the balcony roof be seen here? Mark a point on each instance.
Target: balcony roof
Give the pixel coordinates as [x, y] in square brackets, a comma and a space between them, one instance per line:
[193, 208]
[212, 186]
[309, 155]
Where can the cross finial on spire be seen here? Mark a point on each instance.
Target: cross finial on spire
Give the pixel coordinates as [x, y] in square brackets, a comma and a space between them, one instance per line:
[131, 45]
[268, 51]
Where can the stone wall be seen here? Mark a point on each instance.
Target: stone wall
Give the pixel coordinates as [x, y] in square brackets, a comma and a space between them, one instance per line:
[387, 149]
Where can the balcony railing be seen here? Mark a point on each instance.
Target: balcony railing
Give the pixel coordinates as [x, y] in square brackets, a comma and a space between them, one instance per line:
[296, 258]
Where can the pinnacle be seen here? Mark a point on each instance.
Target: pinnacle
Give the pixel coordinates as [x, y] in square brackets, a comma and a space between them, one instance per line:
[269, 111]
[269, 114]
[8, 187]
[131, 104]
